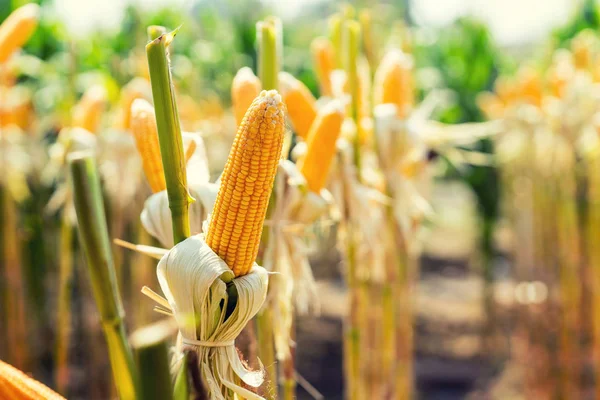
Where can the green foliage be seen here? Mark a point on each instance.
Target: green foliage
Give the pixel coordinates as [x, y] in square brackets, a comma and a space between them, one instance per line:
[468, 63]
[587, 17]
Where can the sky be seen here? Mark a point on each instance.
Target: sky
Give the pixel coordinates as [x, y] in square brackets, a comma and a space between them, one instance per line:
[512, 22]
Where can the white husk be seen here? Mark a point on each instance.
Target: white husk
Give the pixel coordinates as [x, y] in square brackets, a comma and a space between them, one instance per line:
[156, 215]
[190, 277]
[292, 287]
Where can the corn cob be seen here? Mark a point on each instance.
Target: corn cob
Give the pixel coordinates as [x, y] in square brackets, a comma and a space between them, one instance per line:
[16, 385]
[321, 141]
[300, 103]
[137, 88]
[17, 29]
[394, 83]
[87, 113]
[143, 127]
[324, 60]
[239, 212]
[244, 89]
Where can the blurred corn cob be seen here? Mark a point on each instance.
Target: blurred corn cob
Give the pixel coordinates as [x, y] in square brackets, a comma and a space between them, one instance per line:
[88, 112]
[394, 83]
[143, 127]
[16, 385]
[300, 103]
[17, 29]
[138, 88]
[324, 60]
[322, 145]
[237, 219]
[244, 89]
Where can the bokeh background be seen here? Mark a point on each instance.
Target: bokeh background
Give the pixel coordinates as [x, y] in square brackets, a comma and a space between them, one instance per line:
[461, 46]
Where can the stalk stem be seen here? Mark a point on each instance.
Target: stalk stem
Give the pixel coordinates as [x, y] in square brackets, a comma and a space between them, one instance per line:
[169, 135]
[94, 238]
[269, 40]
[64, 303]
[152, 354]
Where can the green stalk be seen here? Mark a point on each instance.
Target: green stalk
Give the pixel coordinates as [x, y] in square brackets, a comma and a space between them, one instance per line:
[152, 356]
[15, 299]
[269, 51]
[169, 134]
[351, 46]
[181, 391]
[335, 36]
[65, 288]
[94, 239]
[269, 40]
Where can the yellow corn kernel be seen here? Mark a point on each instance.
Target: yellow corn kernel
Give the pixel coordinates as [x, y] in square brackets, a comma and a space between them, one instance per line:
[16, 30]
[143, 127]
[394, 82]
[16, 385]
[324, 60]
[244, 89]
[321, 147]
[300, 103]
[237, 219]
[88, 112]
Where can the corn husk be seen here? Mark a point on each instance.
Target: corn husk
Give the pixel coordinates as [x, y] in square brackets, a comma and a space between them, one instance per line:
[292, 288]
[156, 216]
[191, 277]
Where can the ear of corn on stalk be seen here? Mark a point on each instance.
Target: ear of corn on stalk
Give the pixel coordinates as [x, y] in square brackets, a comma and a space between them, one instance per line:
[321, 142]
[138, 88]
[300, 103]
[394, 82]
[237, 219]
[143, 127]
[16, 30]
[244, 89]
[324, 60]
[88, 112]
[16, 385]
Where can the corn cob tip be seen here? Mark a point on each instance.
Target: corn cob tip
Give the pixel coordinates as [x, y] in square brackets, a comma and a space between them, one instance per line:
[335, 106]
[144, 130]
[141, 107]
[245, 73]
[300, 103]
[287, 82]
[29, 11]
[244, 89]
[271, 96]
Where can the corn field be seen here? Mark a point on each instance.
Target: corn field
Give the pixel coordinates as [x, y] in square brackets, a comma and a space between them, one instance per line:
[224, 202]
